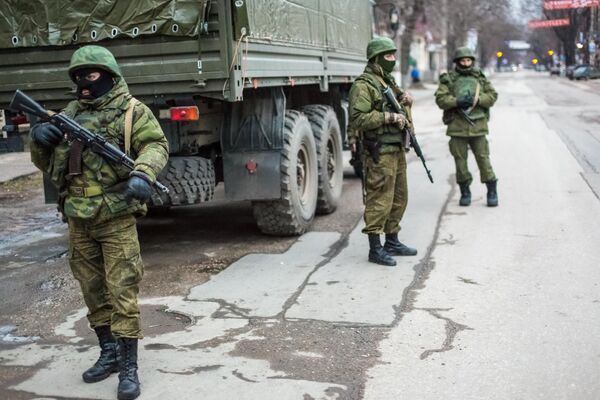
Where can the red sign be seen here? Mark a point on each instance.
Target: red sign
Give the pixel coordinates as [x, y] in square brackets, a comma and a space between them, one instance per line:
[550, 23]
[566, 4]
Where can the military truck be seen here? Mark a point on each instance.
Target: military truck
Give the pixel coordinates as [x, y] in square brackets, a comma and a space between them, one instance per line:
[250, 93]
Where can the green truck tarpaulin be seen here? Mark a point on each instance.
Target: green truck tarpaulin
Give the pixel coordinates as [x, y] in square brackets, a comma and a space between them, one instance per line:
[30, 23]
[333, 24]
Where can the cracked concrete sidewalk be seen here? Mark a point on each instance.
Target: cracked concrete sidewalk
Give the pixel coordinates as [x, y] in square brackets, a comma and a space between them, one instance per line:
[15, 165]
[507, 306]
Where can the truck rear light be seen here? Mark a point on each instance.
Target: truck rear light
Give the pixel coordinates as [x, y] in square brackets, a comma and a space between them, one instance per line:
[251, 166]
[190, 113]
[19, 119]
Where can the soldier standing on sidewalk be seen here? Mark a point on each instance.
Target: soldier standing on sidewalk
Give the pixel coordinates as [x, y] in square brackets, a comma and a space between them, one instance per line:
[101, 201]
[382, 133]
[466, 97]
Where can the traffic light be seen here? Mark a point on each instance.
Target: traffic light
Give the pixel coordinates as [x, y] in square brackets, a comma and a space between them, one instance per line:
[534, 61]
[499, 54]
[550, 53]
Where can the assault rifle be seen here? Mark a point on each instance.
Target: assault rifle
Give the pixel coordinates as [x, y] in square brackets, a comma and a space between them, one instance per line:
[466, 116]
[74, 131]
[391, 97]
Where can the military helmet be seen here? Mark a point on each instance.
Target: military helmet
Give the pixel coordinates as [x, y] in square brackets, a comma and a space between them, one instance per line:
[380, 45]
[94, 56]
[463, 52]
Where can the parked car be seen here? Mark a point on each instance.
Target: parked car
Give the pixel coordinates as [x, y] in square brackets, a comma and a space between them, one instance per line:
[555, 70]
[571, 69]
[586, 72]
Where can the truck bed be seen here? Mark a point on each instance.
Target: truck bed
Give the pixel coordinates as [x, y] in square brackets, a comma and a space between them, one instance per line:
[238, 45]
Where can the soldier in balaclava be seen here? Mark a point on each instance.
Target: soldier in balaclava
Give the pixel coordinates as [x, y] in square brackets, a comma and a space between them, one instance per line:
[466, 96]
[382, 131]
[101, 201]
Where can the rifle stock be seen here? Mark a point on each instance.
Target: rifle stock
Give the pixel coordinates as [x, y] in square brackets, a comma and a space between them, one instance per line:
[74, 131]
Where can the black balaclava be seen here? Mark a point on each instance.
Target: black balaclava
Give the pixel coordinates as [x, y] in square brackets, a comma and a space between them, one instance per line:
[463, 69]
[97, 88]
[387, 66]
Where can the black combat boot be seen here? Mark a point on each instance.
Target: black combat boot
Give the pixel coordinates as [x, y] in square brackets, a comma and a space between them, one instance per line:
[465, 195]
[107, 363]
[396, 248]
[129, 384]
[492, 194]
[377, 254]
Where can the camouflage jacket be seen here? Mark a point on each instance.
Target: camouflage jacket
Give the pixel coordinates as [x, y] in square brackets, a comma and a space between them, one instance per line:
[98, 192]
[455, 84]
[367, 107]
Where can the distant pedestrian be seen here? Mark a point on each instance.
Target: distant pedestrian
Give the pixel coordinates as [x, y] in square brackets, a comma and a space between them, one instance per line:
[466, 96]
[101, 201]
[415, 75]
[382, 132]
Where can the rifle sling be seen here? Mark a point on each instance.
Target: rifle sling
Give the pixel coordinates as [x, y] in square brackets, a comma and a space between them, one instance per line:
[476, 99]
[129, 124]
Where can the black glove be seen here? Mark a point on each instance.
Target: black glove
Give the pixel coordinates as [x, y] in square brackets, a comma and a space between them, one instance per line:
[139, 187]
[46, 135]
[465, 102]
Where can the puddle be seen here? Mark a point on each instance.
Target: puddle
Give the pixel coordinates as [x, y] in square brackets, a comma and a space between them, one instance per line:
[7, 337]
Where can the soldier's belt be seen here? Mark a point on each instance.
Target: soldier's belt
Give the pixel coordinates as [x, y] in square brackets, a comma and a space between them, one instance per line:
[90, 191]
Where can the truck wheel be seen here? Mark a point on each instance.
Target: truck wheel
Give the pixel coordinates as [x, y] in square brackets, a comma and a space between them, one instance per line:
[190, 180]
[328, 138]
[294, 212]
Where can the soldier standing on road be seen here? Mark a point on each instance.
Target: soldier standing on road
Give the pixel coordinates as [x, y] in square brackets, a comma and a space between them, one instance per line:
[466, 97]
[101, 202]
[382, 133]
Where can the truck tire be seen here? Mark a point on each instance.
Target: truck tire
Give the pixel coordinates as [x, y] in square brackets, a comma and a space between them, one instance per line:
[328, 138]
[294, 212]
[190, 180]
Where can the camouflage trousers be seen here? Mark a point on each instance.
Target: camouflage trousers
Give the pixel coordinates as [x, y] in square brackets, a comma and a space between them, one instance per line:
[105, 259]
[387, 193]
[459, 148]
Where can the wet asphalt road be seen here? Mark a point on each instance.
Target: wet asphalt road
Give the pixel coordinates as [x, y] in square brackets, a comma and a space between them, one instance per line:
[309, 318]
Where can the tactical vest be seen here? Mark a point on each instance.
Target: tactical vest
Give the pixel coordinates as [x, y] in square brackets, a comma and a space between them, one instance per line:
[387, 133]
[100, 180]
[465, 85]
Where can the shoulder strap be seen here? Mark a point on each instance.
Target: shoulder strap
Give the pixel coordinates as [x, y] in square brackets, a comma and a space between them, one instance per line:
[476, 98]
[129, 123]
[371, 80]
[380, 79]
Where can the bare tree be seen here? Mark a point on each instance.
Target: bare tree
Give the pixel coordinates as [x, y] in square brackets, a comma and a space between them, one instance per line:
[417, 11]
[491, 19]
[408, 12]
[579, 19]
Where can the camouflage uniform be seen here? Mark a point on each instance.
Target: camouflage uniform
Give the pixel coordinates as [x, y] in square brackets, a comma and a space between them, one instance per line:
[104, 248]
[454, 85]
[386, 183]
[382, 132]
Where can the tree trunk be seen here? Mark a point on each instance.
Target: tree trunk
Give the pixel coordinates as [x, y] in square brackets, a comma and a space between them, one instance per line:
[407, 37]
